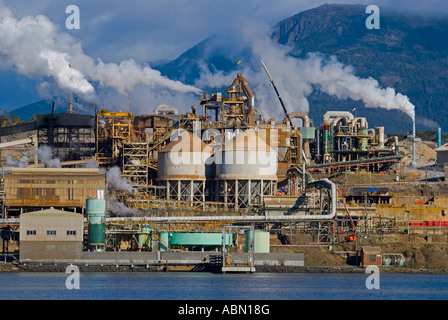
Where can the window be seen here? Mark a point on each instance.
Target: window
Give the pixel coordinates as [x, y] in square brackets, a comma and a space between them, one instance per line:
[30, 232]
[372, 257]
[51, 232]
[71, 232]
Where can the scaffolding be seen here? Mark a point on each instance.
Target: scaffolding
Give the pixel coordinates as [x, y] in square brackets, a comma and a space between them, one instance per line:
[71, 136]
[135, 162]
[113, 129]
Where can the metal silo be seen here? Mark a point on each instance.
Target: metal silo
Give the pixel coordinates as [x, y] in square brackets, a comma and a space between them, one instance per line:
[96, 211]
[183, 168]
[261, 241]
[363, 139]
[246, 170]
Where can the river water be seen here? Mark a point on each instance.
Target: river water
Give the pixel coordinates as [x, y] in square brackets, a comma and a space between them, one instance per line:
[209, 286]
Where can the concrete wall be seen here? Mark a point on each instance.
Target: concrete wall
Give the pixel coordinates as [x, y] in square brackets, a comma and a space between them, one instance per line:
[442, 156]
[50, 251]
[185, 258]
[61, 222]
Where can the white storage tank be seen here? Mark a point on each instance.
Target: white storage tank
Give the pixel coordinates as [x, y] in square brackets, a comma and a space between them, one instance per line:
[184, 165]
[246, 170]
[185, 157]
[246, 156]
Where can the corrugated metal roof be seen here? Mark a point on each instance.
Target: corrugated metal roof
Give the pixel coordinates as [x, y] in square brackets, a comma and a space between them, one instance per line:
[69, 171]
[443, 147]
[51, 212]
[371, 249]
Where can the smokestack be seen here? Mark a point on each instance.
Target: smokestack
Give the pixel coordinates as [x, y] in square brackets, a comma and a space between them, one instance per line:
[69, 106]
[413, 163]
[439, 137]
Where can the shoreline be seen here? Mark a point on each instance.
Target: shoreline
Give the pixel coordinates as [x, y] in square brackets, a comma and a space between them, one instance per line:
[9, 267]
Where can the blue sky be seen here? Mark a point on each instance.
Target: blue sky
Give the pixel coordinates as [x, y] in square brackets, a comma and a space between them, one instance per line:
[152, 30]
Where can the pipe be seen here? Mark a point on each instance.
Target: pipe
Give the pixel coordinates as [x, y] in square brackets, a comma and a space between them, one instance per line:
[225, 218]
[362, 123]
[335, 121]
[334, 114]
[323, 182]
[413, 163]
[380, 137]
[240, 80]
[301, 115]
[330, 185]
[318, 143]
[32, 139]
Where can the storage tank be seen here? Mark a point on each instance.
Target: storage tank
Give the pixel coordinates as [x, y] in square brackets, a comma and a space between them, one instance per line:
[261, 241]
[183, 167]
[246, 156]
[246, 170]
[363, 139]
[327, 142]
[185, 157]
[163, 241]
[200, 240]
[144, 238]
[96, 211]
[380, 134]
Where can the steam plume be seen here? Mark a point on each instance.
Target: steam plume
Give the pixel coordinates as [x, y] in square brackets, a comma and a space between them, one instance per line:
[35, 47]
[298, 78]
[116, 182]
[19, 163]
[45, 155]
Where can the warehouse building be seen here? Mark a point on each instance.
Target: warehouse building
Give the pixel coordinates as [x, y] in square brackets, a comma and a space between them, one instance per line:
[442, 154]
[51, 235]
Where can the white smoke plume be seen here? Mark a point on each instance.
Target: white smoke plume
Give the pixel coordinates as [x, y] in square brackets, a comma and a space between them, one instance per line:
[91, 163]
[35, 47]
[18, 163]
[117, 208]
[45, 156]
[297, 78]
[116, 182]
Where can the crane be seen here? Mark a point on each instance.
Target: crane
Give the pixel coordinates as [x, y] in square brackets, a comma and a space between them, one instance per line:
[276, 91]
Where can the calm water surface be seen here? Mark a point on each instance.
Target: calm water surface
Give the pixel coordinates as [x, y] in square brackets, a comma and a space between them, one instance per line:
[208, 286]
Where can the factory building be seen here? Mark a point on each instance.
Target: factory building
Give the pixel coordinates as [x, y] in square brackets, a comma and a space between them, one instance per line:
[51, 235]
[227, 161]
[29, 189]
[345, 141]
[442, 154]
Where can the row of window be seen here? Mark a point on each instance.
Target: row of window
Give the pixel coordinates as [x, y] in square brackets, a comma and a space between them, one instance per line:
[51, 232]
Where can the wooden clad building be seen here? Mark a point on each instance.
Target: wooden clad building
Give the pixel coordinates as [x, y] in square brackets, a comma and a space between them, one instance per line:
[29, 189]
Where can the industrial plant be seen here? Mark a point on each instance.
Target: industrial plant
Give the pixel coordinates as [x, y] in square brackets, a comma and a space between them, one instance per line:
[216, 185]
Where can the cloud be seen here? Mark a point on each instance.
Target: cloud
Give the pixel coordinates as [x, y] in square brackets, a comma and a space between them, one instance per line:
[297, 78]
[116, 35]
[36, 48]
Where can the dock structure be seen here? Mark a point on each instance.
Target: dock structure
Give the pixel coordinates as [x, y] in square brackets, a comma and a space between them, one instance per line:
[173, 261]
[238, 269]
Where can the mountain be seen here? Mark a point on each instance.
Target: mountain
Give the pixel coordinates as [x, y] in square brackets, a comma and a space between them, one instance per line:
[28, 111]
[408, 53]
